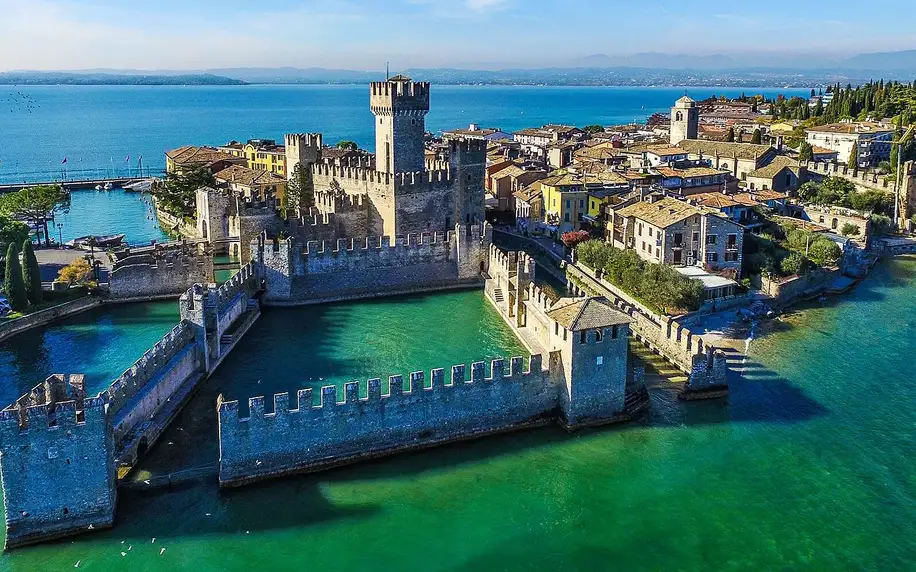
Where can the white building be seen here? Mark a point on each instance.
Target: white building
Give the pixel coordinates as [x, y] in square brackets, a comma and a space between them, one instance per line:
[872, 140]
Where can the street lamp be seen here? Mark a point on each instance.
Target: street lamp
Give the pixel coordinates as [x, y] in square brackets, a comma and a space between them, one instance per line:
[60, 235]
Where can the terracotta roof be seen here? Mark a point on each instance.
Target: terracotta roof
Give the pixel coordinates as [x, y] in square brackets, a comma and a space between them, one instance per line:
[713, 200]
[724, 149]
[823, 151]
[190, 154]
[855, 127]
[685, 99]
[530, 193]
[775, 167]
[666, 151]
[689, 172]
[661, 213]
[586, 313]
[248, 177]
[756, 197]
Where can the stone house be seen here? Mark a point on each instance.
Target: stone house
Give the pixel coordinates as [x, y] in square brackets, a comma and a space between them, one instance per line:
[671, 231]
[780, 174]
[739, 159]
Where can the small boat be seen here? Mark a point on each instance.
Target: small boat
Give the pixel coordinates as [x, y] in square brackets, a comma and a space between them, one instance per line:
[98, 242]
[107, 187]
[98, 187]
[139, 186]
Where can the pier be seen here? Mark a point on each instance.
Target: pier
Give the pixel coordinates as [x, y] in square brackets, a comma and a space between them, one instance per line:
[77, 185]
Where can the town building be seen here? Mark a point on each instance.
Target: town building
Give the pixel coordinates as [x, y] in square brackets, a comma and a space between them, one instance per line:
[671, 231]
[250, 183]
[191, 157]
[871, 140]
[780, 174]
[739, 159]
[474, 131]
[685, 120]
[260, 154]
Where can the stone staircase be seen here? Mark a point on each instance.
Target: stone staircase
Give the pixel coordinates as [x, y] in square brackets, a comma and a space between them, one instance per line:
[498, 295]
[656, 364]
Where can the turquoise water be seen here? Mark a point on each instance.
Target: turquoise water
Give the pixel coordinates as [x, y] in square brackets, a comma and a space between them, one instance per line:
[109, 212]
[806, 466]
[100, 343]
[104, 130]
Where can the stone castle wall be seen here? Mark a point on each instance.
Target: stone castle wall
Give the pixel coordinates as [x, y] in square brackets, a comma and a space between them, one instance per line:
[334, 432]
[349, 269]
[163, 270]
[663, 334]
[56, 463]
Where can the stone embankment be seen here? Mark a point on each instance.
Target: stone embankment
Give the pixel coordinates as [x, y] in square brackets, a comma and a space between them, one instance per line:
[10, 328]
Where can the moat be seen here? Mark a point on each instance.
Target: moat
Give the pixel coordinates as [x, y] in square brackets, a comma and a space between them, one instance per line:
[808, 449]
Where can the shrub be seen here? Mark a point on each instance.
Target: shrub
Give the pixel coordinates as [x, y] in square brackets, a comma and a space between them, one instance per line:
[77, 272]
[795, 263]
[574, 237]
[882, 224]
[850, 229]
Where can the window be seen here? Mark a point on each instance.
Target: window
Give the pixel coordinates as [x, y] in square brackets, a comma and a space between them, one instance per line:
[566, 217]
[599, 334]
[640, 229]
[696, 237]
[556, 328]
[582, 337]
[712, 257]
[644, 245]
[678, 238]
[581, 203]
[564, 334]
[650, 232]
[732, 240]
[614, 332]
[710, 239]
[731, 257]
[593, 205]
[650, 249]
[567, 203]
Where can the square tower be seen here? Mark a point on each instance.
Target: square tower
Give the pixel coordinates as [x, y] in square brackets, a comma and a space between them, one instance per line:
[685, 120]
[400, 106]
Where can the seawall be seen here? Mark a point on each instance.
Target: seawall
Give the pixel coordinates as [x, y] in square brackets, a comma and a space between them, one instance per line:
[43, 317]
[315, 437]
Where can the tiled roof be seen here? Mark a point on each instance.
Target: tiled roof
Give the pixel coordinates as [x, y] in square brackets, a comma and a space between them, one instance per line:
[724, 149]
[756, 197]
[248, 177]
[586, 313]
[530, 193]
[661, 213]
[774, 167]
[689, 172]
[856, 127]
[666, 151]
[713, 200]
[190, 154]
[823, 151]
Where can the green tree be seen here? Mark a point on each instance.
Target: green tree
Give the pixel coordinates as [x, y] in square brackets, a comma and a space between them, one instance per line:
[35, 205]
[348, 145]
[853, 160]
[794, 263]
[592, 129]
[730, 135]
[298, 189]
[809, 192]
[31, 273]
[805, 152]
[756, 137]
[177, 195]
[13, 285]
[824, 252]
[12, 231]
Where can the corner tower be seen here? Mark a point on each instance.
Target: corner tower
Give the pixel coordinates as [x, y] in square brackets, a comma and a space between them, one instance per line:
[400, 106]
[685, 120]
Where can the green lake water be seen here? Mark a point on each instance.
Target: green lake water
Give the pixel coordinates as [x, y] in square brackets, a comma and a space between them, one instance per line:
[806, 466]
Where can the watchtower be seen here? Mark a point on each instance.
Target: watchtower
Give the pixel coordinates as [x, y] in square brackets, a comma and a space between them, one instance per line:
[468, 163]
[685, 120]
[400, 106]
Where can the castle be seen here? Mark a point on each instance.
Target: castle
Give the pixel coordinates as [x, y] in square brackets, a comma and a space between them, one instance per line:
[405, 225]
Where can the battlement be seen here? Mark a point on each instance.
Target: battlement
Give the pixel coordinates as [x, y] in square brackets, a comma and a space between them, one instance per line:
[419, 181]
[363, 174]
[161, 270]
[416, 382]
[310, 140]
[330, 202]
[467, 146]
[59, 402]
[539, 298]
[353, 246]
[399, 97]
[150, 363]
[240, 283]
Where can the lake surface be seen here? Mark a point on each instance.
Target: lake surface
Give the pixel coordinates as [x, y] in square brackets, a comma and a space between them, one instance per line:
[806, 466]
[104, 130]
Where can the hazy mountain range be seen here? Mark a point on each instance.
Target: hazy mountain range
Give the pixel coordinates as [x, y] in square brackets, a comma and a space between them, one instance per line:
[598, 69]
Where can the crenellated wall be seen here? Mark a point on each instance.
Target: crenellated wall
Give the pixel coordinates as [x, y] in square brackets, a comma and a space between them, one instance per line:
[705, 366]
[56, 450]
[163, 270]
[348, 268]
[302, 437]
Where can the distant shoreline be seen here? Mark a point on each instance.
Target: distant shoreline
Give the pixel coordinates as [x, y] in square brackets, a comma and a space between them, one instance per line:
[238, 83]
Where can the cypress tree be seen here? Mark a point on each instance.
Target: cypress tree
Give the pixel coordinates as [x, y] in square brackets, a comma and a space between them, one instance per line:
[730, 135]
[853, 156]
[756, 137]
[31, 275]
[12, 282]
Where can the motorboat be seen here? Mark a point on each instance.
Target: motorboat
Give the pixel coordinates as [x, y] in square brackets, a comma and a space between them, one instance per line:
[96, 242]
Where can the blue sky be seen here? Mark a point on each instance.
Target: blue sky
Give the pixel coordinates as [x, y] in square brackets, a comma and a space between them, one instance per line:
[363, 34]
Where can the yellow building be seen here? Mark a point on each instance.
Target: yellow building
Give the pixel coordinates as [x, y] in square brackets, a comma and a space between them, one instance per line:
[572, 198]
[261, 155]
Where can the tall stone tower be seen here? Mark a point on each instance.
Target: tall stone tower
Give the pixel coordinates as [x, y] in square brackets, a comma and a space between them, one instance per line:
[400, 106]
[685, 120]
